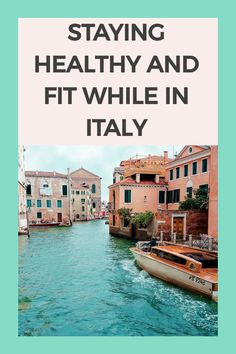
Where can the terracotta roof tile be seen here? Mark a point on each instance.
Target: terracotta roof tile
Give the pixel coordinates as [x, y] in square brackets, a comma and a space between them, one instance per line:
[44, 174]
[131, 181]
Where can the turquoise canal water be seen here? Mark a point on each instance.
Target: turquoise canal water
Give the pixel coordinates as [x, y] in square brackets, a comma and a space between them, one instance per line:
[80, 281]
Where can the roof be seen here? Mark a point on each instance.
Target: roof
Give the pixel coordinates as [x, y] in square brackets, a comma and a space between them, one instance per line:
[83, 169]
[131, 181]
[44, 174]
[132, 161]
[204, 147]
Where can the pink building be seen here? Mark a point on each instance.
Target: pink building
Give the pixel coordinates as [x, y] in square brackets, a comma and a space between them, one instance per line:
[48, 197]
[193, 168]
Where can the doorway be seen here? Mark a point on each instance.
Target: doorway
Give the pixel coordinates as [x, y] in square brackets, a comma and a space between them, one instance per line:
[59, 217]
[178, 225]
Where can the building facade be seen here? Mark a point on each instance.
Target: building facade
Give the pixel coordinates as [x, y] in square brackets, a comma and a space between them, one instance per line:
[93, 182]
[81, 202]
[48, 197]
[22, 213]
[159, 184]
[141, 189]
[193, 168]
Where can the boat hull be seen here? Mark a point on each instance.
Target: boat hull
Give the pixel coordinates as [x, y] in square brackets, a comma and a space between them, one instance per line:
[173, 275]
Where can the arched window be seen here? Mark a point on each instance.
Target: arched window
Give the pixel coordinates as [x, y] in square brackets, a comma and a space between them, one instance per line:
[94, 205]
[93, 188]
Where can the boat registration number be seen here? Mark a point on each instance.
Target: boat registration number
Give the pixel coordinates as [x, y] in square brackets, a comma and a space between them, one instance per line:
[196, 279]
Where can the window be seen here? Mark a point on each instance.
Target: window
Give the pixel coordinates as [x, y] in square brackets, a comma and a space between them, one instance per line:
[145, 199]
[161, 197]
[82, 192]
[82, 208]
[194, 172]
[204, 165]
[39, 215]
[64, 189]
[127, 195]
[29, 203]
[48, 203]
[45, 185]
[171, 175]
[189, 191]
[177, 172]
[39, 203]
[28, 189]
[77, 192]
[169, 197]
[173, 196]
[94, 206]
[190, 149]
[82, 200]
[185, 170]
[59, 203]
[176, 196]
[93, 188]
[73, 192]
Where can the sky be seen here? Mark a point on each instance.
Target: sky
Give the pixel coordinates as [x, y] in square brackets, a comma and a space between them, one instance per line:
[101, 160]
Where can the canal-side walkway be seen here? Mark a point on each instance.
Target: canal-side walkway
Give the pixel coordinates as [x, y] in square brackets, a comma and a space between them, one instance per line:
[81, 281]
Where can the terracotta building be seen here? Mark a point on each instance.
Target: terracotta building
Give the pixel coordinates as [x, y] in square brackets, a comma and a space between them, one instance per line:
[85, 177]
[81, 202]
[22, 216]
[142, 188]
[158, 184]
[48, 197]
[193, 168]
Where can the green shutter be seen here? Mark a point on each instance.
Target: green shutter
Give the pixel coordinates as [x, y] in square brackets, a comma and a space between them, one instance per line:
[194, 168]
[204, 165]
[185, 170]
[171, 175]
[59, 203]
[161, 197]
[64, 189]
[93, 188]
[29, 203]
[127, 196]
[39, 203]
[49, 203]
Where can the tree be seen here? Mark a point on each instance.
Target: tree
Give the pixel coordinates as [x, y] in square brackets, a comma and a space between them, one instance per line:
[125, 213]
[199, 202]
[142, 220]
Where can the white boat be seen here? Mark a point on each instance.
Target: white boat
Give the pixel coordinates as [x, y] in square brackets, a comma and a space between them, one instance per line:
[187, 267]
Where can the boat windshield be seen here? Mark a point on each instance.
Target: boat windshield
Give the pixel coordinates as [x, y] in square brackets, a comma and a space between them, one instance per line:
[208, 261]
[169, 256]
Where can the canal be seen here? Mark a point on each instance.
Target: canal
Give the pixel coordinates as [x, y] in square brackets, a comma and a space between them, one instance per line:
[80, 281]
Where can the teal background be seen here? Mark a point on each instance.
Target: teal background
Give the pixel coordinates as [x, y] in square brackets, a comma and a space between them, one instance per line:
[10, 11]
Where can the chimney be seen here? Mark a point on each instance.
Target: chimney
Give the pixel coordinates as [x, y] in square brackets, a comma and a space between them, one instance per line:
[156, 178]
[165, 156]
[137, 177]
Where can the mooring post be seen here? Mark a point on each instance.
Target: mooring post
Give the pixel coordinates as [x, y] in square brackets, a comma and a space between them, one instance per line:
[161, 233]
[210, 244]
[174, 237]
[190, 240]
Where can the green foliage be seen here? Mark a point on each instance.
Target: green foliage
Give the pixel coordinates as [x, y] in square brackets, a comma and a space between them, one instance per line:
[142, 220]
[199, 202]
[125, 213]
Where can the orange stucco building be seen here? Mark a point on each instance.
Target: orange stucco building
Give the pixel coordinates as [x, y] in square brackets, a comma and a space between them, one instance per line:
[194, 167]
[157, 183]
